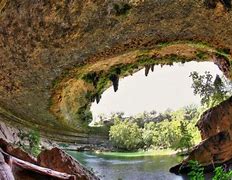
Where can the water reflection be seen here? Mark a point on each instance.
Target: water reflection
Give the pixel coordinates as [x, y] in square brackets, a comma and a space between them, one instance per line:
[127, 168]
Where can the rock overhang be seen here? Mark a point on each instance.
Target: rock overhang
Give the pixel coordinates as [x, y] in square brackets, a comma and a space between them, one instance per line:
[44, 43]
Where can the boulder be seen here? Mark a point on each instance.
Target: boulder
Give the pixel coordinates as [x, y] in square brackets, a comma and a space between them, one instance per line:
[5, 170]
[216, 119]
[58, 160]
[8, 132]
[211, 152]
[215, 126]
[16, 152]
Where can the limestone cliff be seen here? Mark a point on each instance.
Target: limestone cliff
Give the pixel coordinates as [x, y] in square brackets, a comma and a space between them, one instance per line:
[45, 44]
[216, 131]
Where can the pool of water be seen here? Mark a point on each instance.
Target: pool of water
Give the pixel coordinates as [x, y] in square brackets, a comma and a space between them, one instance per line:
[129, 166]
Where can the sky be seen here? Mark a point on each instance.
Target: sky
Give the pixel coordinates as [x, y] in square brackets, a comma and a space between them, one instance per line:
[166, 87]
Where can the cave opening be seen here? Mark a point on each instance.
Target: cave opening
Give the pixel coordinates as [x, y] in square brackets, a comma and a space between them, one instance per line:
[73, 96]
[165, 87]
[163, 130]
[153, 110]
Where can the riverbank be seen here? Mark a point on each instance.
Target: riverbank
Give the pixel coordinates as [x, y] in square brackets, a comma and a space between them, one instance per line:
[129, 165]
[138, 153]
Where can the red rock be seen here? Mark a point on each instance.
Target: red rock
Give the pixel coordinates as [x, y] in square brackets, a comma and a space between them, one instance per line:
[216, 119]
[58, 160]
[16, 152]
[216, 130]
[215, 149]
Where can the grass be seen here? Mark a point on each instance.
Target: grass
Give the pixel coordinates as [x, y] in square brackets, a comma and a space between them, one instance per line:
[139, 153]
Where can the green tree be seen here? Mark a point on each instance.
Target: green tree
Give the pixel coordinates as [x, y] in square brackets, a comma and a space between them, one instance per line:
[186, 137]
[197, 171]
[177, 131]
[211, 91]
[148, 133]
[126, 135]
[191, 112]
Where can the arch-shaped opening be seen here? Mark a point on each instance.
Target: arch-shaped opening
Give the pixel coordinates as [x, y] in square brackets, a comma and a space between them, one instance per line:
[166, 87]
[73, 95]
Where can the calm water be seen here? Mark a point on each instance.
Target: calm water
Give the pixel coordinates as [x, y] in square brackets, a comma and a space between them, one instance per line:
[113, 167]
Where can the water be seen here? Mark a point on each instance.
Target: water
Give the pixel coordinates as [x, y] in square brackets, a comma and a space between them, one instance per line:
[129, 167]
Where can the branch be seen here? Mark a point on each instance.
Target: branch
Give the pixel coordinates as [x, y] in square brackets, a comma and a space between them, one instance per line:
[39, 169]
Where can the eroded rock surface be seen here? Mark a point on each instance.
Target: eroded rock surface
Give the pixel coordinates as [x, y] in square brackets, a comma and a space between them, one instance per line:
[215, 126]
[42, 45]
[54, 159]
[9, 133]
[41, 42]
[216, 119]
[16, 152]
[58, 160]
[5, 170]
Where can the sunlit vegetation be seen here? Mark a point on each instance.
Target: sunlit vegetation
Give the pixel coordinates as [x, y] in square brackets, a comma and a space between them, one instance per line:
[169, 130]
[197, 172]
[138, 153]
[212, 91]
[30, 142]
[97, 77]
[218, 88]
[126, 135]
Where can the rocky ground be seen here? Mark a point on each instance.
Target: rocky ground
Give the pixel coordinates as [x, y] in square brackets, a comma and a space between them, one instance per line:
[53, 163]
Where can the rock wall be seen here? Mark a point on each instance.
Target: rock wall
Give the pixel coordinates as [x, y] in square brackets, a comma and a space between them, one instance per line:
[215, 126]
[216, 119]
[42, 42]
[8, 132]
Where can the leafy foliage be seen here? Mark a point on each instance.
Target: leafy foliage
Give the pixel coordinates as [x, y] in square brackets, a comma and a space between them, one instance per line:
[212, 92]
[171, 129]
[33, 142]
[186, 137]
[220, 174]
[197, 171]
[126, 135]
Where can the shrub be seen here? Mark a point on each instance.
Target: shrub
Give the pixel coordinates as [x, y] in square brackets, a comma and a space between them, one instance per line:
[34, 142]
[220, 174]
[33, 139]
[197, 171]
[126, 135]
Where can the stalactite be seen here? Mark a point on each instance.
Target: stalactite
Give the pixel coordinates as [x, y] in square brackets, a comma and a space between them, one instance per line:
[115, 80]
[98, 98]
[95, 80]
[170, 63]
[147, 68]
[152, 67]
